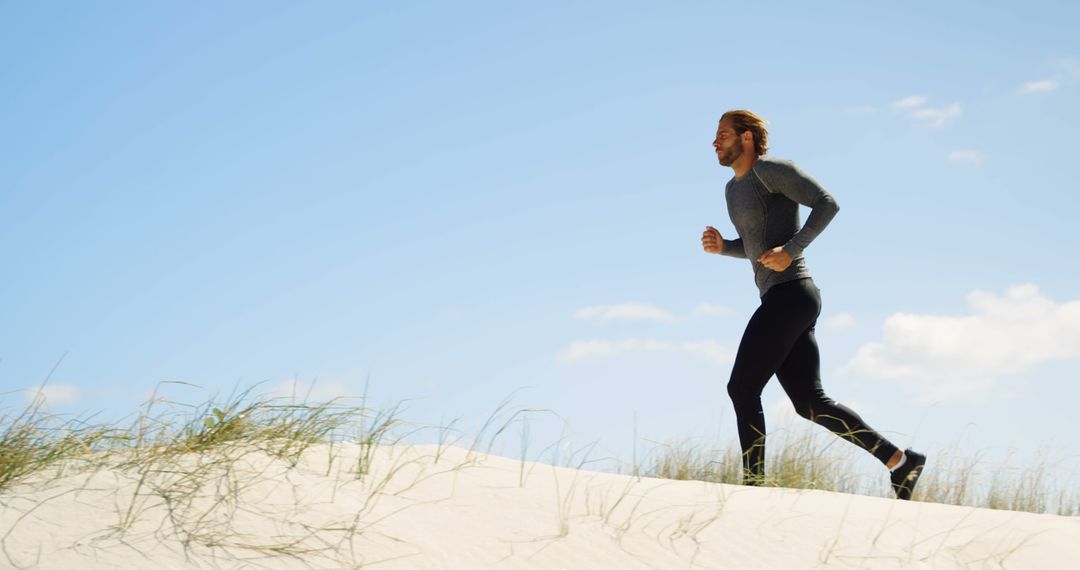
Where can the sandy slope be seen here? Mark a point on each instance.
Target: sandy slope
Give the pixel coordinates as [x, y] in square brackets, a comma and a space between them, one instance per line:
[449, 508]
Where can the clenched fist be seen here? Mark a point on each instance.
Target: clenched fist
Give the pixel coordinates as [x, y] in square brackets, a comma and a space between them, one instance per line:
[712, 241]
[776, 259]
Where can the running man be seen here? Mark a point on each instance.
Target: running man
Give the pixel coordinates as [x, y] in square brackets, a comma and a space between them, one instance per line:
[763, 201]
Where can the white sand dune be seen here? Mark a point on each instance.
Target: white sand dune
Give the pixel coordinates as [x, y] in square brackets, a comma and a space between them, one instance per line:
[429, 507]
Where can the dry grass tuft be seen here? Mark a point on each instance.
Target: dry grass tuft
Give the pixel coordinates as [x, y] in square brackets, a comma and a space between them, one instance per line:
[808, 458]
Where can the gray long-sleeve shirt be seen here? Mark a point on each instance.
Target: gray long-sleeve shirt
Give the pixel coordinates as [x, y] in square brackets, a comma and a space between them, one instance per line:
[764, 208]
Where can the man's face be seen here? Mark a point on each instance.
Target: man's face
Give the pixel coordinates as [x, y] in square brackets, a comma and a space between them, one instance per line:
[728, 145]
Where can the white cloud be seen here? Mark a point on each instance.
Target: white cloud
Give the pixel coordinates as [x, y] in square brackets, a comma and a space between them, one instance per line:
[973, 157]
[588, 349]
[910, 102]
[1066, 72]
[53, 394]
[626, 311]
[840, 322]
[946, 357]
[914, 107]
[936, 117]
[1041, 86]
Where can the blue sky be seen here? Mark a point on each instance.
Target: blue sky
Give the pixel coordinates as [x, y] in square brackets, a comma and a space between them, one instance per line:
[462, 201]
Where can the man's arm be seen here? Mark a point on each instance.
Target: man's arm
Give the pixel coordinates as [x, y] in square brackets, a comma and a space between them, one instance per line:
[713, 242]
[787, 179]
[734, 248]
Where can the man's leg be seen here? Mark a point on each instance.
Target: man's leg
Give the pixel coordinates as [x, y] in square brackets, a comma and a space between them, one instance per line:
[801, 378]
[784, 313]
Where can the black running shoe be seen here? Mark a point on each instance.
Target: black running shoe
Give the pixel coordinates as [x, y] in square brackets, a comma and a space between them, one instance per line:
[905, 478]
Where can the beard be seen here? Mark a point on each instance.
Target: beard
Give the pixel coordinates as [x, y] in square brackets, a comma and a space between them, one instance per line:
[730, 154]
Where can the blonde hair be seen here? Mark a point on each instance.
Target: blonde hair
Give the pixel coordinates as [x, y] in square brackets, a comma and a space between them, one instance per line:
[743, 120]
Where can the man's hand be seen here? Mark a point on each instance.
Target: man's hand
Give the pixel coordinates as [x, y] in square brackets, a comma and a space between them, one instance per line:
[711, 240]
[776, 259]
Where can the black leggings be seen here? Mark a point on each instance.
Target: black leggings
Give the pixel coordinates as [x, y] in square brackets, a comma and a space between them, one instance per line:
[779, 339]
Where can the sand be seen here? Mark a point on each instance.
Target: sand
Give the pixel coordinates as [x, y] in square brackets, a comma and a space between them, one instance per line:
[432, 507]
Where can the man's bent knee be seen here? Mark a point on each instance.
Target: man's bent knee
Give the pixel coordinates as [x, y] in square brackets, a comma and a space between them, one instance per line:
[805, 411]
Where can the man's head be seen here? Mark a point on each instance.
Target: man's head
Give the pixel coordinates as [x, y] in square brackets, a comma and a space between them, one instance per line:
[739, 132]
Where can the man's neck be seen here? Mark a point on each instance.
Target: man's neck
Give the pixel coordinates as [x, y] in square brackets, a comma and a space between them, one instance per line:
[743, 164]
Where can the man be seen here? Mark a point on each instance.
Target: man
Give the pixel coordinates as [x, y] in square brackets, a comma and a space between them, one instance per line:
[763, 201]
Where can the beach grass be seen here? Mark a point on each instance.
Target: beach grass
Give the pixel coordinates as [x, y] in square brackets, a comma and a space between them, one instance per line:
[803, 456]
[163, 433]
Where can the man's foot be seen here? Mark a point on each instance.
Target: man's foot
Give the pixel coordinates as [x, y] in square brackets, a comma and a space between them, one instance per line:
[907, 475]
[751, 479]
